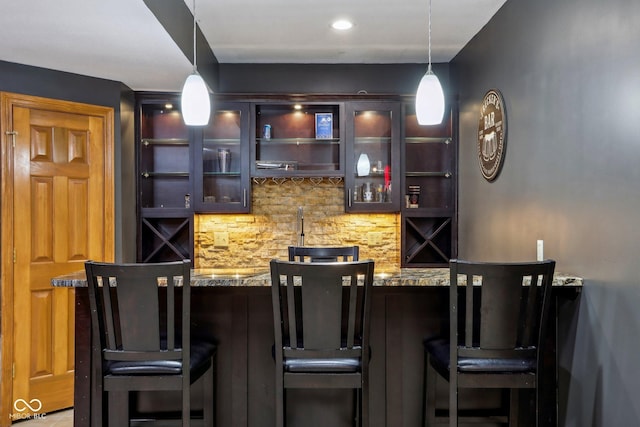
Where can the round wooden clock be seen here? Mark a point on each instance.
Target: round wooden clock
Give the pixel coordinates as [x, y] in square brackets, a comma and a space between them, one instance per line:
[492, 134]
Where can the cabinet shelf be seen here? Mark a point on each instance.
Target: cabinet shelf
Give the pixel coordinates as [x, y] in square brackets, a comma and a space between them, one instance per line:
[296, 141]
[222, 174]
[295, 169]
[372, 139]
[170, 212]
[221, 141]
[370, 175]
[446, 174]
[427, 140]
[164, 174]
[164, 141]
[424, 214]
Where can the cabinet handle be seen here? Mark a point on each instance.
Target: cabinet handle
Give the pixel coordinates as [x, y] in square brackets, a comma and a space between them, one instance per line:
[349, 197]
[244, 197]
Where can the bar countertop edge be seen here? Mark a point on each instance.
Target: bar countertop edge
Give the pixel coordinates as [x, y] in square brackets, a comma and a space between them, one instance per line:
[215, 278]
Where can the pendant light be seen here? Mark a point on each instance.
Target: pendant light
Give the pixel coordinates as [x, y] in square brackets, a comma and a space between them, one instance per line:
[429, 97]
[196, 104]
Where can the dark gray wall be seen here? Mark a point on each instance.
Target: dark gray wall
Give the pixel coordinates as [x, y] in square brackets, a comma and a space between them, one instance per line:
[46, 83]
[400, 79]
[570, 74]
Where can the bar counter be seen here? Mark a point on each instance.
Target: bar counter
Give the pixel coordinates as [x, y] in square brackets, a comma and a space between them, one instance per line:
[207, 277]
[234, 308]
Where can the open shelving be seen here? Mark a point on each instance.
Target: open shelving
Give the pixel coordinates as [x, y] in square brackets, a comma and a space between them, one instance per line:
[429, 220]
[297, 139]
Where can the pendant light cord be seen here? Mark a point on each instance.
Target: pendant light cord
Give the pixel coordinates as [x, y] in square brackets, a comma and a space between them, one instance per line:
[195, 53]
[429, 68]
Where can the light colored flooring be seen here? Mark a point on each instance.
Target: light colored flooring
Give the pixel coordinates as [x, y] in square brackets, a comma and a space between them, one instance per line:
[56, 419]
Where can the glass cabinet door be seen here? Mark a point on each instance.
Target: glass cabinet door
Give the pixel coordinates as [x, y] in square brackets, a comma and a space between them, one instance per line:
[373, 157]
[221, 161]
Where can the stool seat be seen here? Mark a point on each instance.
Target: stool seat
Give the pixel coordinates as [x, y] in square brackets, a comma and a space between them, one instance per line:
[322, 365]
[200, 360]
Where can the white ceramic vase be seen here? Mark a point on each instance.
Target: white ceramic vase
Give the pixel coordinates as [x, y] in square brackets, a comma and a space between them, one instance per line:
[363, 165]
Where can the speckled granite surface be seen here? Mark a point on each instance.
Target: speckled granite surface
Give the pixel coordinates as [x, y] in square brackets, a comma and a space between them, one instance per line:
[403, 277]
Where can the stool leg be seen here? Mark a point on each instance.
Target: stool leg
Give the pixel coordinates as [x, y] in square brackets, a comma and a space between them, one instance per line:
[118, 408]
[209, 399]
[280, 402]
[364, 404]
[514, 407]
[431, 378]
[357, 407]
[453, 398]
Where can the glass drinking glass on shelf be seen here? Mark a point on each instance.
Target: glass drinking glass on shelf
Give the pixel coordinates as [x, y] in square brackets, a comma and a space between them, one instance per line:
[224, 160]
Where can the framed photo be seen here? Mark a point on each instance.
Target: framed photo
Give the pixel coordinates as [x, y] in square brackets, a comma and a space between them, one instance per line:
[324, 125]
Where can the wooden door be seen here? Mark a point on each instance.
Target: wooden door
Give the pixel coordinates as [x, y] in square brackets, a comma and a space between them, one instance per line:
[62, 202]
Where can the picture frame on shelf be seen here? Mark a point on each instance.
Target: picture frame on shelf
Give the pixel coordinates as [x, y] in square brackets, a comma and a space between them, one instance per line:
[324, 125]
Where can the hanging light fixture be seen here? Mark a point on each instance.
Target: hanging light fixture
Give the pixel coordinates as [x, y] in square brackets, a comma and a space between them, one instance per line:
[196, 104]
[429, 97]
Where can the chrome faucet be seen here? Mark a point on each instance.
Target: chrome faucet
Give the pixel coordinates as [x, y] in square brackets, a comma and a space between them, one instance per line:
[300, 226]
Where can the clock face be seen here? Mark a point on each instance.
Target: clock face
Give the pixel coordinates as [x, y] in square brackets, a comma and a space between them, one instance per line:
[492, 134]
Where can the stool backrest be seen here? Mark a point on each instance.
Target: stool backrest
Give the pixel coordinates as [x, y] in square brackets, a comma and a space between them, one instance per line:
[324, 253]
[505, 311]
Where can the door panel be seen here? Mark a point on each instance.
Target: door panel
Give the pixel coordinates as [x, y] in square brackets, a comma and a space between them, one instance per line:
[62, 215]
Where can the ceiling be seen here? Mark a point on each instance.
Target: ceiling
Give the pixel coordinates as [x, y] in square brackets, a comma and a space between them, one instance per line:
[122, 40]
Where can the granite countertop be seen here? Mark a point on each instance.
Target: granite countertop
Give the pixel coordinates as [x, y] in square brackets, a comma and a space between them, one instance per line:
[261, 277]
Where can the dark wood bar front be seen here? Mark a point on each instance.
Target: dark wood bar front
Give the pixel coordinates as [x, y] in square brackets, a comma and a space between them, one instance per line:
[240, 318]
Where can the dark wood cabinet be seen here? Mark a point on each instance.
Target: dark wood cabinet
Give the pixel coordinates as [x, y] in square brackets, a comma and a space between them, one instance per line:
[372, 177]
[429, 175]
[297, 139]
[388, 163]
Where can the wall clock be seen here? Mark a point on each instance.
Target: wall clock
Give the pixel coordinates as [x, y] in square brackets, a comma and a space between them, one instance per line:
[492, 134]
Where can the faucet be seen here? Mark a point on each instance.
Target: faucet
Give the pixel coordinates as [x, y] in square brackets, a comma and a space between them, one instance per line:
[300, 226]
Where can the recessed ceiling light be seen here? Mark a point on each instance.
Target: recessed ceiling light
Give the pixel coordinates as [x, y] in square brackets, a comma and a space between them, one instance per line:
[342, 24]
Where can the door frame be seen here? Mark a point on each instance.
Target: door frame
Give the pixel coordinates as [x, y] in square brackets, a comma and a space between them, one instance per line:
[7, 101]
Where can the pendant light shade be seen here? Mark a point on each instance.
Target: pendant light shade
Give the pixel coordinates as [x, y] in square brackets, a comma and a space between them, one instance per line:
[429, 100]
[195, 102]
[196, 106]
[429, 96]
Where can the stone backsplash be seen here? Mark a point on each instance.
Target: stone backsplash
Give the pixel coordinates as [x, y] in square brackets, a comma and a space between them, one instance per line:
[256, 238]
